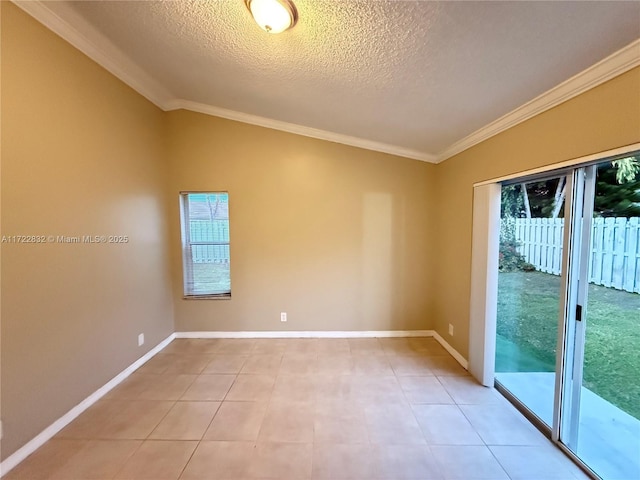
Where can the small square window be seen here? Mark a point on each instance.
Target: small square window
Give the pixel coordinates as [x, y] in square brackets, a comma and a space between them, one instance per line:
[205, 245]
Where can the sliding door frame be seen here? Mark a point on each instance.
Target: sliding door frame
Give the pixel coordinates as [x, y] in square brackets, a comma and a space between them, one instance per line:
[483, 257]
[482, 321]
[564, 348]
[569, 385]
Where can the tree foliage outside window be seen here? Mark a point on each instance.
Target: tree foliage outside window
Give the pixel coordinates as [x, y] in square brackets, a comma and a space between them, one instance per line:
[617, 195]
[618, 189]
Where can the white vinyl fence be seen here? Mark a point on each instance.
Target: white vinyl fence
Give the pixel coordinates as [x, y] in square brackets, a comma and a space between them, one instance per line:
[615, 249]
[214, 231]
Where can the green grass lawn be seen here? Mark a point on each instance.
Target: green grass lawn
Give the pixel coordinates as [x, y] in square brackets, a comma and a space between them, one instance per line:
[527, 328]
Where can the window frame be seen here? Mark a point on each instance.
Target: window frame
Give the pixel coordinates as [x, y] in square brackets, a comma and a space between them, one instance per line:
[186, 246]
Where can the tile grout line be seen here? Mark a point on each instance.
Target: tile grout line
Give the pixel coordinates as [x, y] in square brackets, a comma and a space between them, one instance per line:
[58, 425]
[199, 442]
[443, 368]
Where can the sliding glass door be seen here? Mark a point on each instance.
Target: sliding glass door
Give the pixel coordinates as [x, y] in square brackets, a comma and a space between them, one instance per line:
[568, 314]
[530, 291]
[601, 404]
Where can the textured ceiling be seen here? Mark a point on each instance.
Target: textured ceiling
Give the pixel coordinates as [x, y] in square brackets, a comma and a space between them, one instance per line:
[416, 75]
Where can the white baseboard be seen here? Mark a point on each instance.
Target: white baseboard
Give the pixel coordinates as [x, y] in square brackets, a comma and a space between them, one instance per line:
[333, 334]
[454, 353]
[309, 334]
[40, 439]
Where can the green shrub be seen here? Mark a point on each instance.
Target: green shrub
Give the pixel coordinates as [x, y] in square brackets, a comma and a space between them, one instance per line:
[509, 259]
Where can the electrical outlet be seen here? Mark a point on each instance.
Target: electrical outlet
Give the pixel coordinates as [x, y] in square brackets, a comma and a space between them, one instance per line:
[141, 339]
[283, 316]
[451, 330]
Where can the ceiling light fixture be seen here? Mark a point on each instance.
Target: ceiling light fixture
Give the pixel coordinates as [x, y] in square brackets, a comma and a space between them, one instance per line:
[273, 16]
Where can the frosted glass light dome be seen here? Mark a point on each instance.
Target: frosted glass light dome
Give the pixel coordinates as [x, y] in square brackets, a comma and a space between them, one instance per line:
[273, 16]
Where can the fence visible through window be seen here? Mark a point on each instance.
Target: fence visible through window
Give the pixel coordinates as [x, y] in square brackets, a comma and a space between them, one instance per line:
[215, 231]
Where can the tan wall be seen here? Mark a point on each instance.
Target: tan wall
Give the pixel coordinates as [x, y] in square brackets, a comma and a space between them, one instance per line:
[82, 154]
[338, 237]
[603, 118]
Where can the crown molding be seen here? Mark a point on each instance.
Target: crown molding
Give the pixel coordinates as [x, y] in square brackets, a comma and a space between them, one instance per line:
[65, 22]
[616, 64]
[299, 130]
[72, 27]
[78, 32]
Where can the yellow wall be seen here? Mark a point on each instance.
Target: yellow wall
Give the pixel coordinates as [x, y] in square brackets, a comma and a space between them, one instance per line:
[603, 118]
[338, 237]
[82, 154]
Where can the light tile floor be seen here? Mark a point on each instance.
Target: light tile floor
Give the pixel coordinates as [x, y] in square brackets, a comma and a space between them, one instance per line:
[294, 409]
[608, 438]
